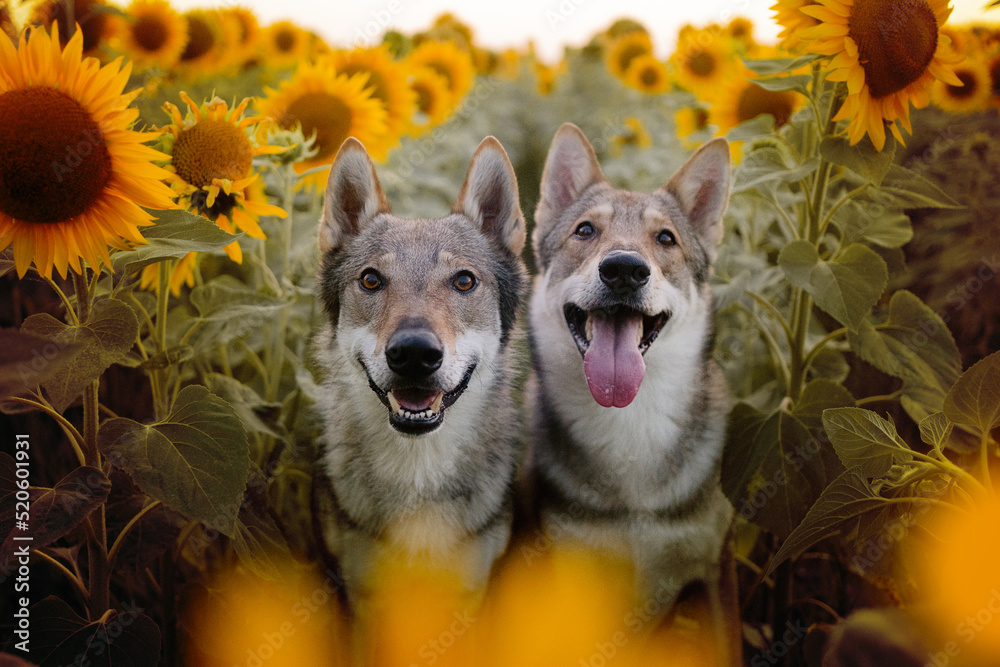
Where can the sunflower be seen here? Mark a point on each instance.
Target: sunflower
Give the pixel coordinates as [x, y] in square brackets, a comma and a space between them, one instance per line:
[285, 44]
[545, 76]
[739, 99]
[7, 22]
[246, 33]
[627, 48]
[434, 102]
[205, 51]
[211, 164]
[993, 67]
[333, 106]
[788, 14]
[387, 79]
[702, 61]
[634, 134]
[974, 93]
[740, 30]
[448, 60]
[152, 35]
[648, 74]
[889, 52]
[90, 15]
[690, 120]
[72, 174]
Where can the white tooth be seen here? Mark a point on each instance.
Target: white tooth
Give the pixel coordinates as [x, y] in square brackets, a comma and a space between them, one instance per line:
[436, 405]
[394, 404]
[638, 334]
[589, 328]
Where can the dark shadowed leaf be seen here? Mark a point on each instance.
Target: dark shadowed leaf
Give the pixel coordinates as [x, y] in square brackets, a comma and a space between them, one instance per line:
[195, 461]
[974, 400]
[847, 498]
[103, 339]
[10, 660]
[741, 457]
[861, 158]
[820, 395]
[28, 360]
[936, 429]
[120, 639]
[175, 234]
[258, 540]
[864, 440]
[914, 345]
[846, 287]
[55, 512]
[248, 404]
[147, 540]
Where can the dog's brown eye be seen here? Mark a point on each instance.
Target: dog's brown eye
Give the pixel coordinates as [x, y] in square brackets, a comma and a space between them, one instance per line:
[666, 238]
[464, 281]
[584, 230]
[371, 280]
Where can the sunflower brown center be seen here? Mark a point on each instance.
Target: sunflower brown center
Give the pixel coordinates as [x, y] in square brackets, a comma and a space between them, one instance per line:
[702, 64]
[649, 77]
[200, 39]
[380, 87]
[995, 76]
[967, 89]
[425, 98]
[54, 162]
[212, 149]
[284, 40]
[324, 114]
[628, 54]
[443, 70]
[896, 42]
[755, 100]
[149, 33]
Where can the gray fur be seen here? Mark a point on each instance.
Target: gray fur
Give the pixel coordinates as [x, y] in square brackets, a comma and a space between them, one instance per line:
[444, 497]
[643, 480]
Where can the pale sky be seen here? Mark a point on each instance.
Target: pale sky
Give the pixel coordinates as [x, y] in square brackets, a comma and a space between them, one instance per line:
[550, 23]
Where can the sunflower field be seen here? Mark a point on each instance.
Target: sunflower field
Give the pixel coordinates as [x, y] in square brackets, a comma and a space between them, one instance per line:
[161, 178]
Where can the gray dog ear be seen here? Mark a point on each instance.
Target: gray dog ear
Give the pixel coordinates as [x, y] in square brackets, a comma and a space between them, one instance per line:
[701, 187]
[489, 196]
[571, 167]
[353, 196]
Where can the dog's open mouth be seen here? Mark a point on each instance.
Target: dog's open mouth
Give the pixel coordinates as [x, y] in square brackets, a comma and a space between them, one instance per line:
[612, 342]
[419, 410]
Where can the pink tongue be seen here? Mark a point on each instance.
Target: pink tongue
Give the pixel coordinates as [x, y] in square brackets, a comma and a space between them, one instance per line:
[613, 364]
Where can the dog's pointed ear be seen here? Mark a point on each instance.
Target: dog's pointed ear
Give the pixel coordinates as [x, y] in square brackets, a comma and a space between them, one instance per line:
[701, 187]
[570, 167]
[353, 196]
[489, 196]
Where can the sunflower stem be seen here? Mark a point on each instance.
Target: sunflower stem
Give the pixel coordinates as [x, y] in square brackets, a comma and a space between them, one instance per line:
[159, 377]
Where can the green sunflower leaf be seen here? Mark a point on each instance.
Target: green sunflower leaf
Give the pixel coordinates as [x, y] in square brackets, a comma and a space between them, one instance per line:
[908, 189]
[846, 287]
[974, 400]
[175, 234]
[195, 461]
[861, 158]
[865, 441]
[102, 340]
[773, 66]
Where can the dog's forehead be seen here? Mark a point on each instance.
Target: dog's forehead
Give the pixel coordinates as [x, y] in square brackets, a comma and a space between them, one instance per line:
[420, 244]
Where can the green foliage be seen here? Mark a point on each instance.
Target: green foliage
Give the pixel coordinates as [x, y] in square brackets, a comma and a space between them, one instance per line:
[175, 234]
[194, 461]
[106, 336]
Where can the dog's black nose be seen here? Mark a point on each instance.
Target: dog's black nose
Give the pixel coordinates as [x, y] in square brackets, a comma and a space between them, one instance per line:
[414, 353]
[624, 272]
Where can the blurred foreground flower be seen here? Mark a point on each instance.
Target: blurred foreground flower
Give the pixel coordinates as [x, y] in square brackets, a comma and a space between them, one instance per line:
[72, 174]
[241, 619]
[960, 582]
[889, 52]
